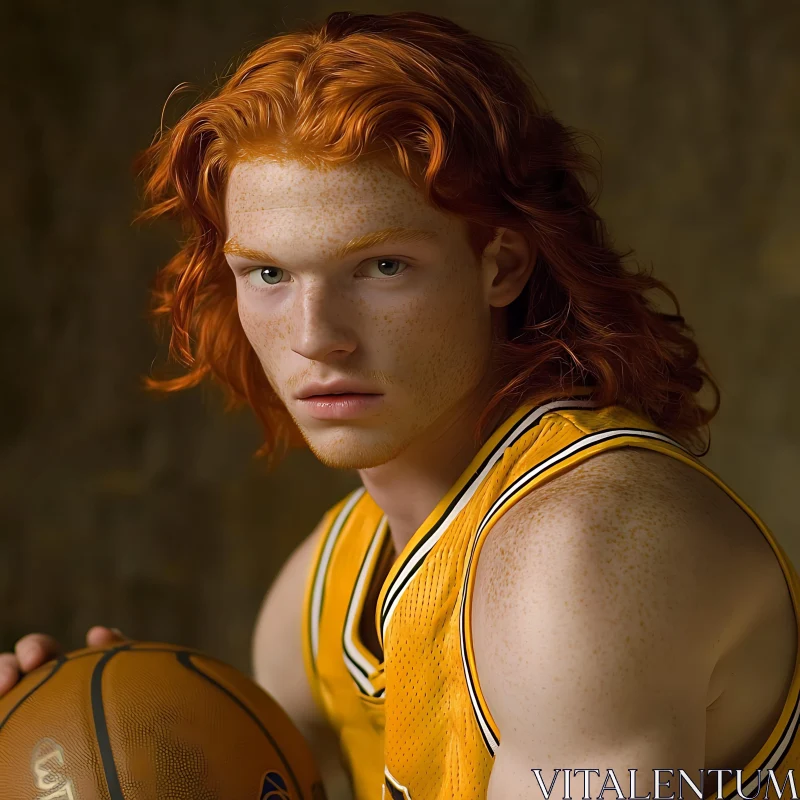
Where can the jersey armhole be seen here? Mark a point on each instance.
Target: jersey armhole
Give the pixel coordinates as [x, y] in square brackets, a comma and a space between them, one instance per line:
[314, 596]
[582, 444]
[312, 602]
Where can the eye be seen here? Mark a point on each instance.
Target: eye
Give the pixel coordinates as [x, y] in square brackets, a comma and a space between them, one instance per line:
[266, 275]
[384, 267]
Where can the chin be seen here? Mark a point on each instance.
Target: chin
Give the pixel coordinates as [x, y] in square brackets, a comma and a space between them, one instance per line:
[352, 449]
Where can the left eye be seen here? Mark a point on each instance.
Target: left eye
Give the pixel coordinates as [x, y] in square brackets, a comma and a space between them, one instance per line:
[385, 267]
[266, 275]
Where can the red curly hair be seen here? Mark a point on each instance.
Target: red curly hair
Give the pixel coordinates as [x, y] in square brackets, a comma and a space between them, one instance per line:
[457, 116]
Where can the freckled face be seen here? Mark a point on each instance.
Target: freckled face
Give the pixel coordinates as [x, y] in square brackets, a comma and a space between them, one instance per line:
[409, 318]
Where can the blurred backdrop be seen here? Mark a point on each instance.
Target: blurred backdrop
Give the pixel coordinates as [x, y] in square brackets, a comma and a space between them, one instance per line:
[148, 513]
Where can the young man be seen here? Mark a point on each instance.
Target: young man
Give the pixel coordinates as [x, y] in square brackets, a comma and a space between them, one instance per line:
[392, 260]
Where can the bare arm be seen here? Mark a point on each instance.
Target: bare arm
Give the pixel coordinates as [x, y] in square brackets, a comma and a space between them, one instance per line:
[280, 670]
[595, 637]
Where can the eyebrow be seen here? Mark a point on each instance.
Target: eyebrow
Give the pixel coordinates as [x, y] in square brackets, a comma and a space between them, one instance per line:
[396, 234]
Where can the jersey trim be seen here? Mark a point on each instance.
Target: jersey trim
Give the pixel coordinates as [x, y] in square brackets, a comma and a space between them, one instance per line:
[396, 790]
[317, 594]
[568, 456]
[359, 661]
[774, 756]
[782, 736]
[451, 505]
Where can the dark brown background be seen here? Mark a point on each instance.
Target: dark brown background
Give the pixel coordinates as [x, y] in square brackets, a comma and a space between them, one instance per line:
[120, 508]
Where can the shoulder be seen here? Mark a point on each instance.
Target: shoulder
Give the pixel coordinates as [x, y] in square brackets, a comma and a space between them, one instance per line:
[654, 504]
[277, 647]
[633, 532]
[306, 565]
[613, 501]
[614, 512]
[605, 601]
[280, 613]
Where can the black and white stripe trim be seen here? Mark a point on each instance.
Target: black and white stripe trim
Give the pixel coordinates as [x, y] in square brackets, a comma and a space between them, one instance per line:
[584, 443]
[775, 756]
[357, 665]
[318, 588]
[396, 788]
[423, 547]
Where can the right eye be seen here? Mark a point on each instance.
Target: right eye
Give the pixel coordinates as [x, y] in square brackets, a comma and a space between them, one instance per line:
[270, 276]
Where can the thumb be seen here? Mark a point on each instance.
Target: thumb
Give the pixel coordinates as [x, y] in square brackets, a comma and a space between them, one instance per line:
[100, 636]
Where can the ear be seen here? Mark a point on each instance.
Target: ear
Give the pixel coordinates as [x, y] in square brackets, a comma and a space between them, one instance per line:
[507, 262]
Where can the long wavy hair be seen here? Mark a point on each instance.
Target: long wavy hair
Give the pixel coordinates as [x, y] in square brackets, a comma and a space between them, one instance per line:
[456, 115]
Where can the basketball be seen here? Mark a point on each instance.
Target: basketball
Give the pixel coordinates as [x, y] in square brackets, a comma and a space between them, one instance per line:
[148, 721]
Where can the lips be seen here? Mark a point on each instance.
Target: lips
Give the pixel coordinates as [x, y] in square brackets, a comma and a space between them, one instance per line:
[333, 394]
[342, 407]
[334, 388]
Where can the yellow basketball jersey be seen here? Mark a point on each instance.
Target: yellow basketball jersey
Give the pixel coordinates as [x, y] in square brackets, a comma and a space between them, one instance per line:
[413, 723]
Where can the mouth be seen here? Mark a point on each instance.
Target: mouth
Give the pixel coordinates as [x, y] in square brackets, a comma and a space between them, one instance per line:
[343, 405]
[339, 395]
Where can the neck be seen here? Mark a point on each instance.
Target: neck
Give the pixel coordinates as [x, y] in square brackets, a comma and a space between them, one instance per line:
[409, 487]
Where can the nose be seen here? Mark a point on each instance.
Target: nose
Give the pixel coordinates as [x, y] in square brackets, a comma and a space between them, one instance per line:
[320, 327]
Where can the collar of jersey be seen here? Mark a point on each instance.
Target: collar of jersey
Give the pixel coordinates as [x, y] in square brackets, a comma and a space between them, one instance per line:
[447, 509]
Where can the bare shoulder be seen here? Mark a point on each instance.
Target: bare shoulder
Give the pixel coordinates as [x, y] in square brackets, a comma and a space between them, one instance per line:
[697, 513]
[591, 610]
[287, 590]
[280, 670]
[665, 534]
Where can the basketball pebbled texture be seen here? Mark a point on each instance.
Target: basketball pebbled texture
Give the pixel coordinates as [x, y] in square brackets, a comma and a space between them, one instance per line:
[148, 721]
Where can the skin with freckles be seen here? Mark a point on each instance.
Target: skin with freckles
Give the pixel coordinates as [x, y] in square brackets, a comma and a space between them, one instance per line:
[347, 272]
[621, 616]
[409, 317]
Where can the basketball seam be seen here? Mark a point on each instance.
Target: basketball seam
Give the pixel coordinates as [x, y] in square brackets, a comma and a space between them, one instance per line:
[184, 658]
[101, 727]
[61, 660]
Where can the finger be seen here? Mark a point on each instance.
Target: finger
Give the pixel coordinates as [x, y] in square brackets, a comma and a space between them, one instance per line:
[9, 671]
[34, 649]
[100, 636]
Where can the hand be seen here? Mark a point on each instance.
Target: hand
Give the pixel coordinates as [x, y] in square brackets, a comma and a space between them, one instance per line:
[35, 649]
